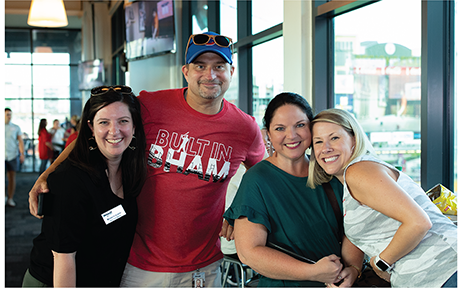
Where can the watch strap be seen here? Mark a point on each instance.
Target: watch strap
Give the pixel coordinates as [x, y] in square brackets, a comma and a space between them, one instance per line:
[383, 265]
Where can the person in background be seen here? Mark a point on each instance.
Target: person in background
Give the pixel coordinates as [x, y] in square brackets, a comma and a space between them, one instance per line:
[57, 138]
[91, 214]
[196, 141]
[273, 204]
[74, 133]
[386, 214]
[72, 123]
[45, 147]
[14, 154]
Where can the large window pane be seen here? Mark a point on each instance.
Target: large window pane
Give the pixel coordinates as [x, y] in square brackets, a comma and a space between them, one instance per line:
[377, 77]
[22, 115]
[228, 16]
[51, 58]
[267, 75]
[232, 93]
[50, 110]
[18, 81]
[18, 58]
[41, 81]
[57, 86]
[199, 16]
[266, 14]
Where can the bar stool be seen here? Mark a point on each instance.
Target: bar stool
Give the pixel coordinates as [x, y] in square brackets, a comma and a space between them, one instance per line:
[240, 269]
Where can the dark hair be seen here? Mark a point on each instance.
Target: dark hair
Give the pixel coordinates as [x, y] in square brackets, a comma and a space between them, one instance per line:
[284, 99]
[7, 109]
[133, 162]
[42, 125]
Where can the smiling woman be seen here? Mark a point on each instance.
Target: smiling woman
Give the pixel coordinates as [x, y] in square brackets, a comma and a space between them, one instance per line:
[92, 197]
[387, 215]
[273, 204]
[113, 130]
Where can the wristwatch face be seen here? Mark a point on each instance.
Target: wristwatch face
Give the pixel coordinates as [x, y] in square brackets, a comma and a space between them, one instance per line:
[382, 265]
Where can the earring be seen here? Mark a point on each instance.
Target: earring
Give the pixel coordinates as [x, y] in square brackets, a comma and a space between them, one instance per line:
[132, 145]
[91, 141]
[352, 148]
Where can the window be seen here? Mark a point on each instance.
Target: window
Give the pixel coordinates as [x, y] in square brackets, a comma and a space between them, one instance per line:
[200, 17]
[332, 57]
[256, 29]
[266, 14]
[377, 77]
[232, 93]
[42, 81]
[228, 23]
[266, 85]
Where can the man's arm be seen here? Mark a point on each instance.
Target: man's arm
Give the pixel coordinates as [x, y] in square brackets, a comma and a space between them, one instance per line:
[21, 149]
[41, 186]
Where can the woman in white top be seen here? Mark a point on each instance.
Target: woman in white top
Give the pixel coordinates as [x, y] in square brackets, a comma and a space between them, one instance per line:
[386, 214]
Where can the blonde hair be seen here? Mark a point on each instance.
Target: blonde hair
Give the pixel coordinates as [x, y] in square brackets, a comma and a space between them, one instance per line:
[316, 174]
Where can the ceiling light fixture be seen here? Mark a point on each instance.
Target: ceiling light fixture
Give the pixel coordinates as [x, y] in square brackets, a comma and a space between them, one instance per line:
[47, 13]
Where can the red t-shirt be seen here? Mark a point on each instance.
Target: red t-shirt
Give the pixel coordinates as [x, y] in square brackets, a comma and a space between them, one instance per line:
[191, 158]
[44, 151]
[72, 137]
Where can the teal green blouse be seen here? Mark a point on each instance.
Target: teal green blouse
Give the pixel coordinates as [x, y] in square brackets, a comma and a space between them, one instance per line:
[297, 217]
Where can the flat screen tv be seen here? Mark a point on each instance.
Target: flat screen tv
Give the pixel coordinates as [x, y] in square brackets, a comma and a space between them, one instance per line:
[149, 28]
[91, 74]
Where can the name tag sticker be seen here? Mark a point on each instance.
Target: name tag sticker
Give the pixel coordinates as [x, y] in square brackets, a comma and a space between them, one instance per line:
[113, 214]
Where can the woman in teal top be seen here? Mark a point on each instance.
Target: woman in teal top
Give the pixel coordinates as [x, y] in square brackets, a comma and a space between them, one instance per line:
[274, 204]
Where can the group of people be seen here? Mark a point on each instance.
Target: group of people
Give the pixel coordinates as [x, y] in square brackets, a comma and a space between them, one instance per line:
[51, 142]
[95, 233]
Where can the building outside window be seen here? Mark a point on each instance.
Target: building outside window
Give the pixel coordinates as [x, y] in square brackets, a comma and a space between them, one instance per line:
[378, 77]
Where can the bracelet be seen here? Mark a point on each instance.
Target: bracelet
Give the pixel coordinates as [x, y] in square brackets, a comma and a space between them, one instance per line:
[357, 269]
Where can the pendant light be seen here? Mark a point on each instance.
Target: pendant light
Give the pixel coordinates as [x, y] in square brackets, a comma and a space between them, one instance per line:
[47, 13]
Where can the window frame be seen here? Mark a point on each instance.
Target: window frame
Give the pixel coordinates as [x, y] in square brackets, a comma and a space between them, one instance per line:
[437, 99]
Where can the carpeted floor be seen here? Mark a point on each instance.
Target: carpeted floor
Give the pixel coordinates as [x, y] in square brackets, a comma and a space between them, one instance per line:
[20, 229]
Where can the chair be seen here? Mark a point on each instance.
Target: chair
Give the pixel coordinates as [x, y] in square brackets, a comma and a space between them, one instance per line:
[243, 272]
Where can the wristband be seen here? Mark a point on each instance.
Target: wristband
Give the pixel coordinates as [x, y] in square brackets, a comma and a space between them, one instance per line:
[383, 265]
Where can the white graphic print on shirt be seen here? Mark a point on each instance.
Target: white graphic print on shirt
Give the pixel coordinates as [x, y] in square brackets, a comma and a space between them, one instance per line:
[186, 150]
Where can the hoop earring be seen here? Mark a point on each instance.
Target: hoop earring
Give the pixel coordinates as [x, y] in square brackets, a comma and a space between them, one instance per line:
[91, 147]
[133, 145]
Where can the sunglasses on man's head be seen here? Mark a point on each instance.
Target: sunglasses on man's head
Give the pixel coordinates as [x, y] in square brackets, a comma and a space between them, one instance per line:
[97, 91]
[203, 39]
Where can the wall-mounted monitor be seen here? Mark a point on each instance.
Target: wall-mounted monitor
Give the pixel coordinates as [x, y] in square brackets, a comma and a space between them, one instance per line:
[149, 28]
[91, 74]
